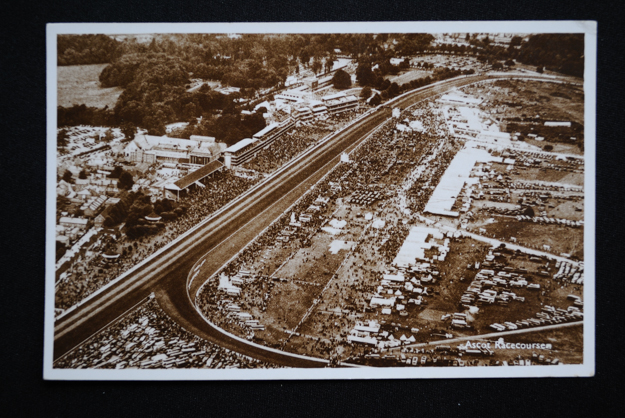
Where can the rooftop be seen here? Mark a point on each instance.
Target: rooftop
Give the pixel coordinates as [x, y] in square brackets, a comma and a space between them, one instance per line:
[265, 130]
[198, 174]
[240, 145]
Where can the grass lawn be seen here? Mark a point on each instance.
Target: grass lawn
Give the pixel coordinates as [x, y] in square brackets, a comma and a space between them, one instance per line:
[407, 77]
[79, 84]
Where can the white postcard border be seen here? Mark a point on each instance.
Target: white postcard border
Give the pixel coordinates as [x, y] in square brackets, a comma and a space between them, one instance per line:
[589, 28]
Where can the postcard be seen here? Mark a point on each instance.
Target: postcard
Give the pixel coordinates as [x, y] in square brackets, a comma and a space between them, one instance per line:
[345, 200]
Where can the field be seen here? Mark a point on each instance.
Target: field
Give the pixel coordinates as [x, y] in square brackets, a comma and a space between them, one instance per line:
[407, 77]
[524, 106]
[78, 84]
[545, 175]
[561, 239]
[549, 100]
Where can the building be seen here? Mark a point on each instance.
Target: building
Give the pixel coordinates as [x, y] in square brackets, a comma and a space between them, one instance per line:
[239, 153]
[65, 189]
[291, 95]
[196, 178]
[247, 148]
[68, 222]
[198, 150]
[558, 123]
[339, 102]
[457, 98]
[494, 137]
[93, 206]
[303, 113]
[319, 109]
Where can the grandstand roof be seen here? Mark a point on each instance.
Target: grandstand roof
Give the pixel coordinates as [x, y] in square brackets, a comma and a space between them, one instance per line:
[239, 145]
[333, 96]
[265, 130]
[198, 174]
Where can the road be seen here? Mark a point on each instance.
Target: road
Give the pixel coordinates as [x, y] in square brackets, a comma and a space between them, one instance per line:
[223, 235]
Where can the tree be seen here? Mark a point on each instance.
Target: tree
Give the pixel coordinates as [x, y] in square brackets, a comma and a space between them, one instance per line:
[316, 65]
[365, 93]
[375, 100]
[305, 57]
[540, 69]
[364, 75]
[393, 89]
[155, 126]
[67, 176]
[515, 41]
[61, 138]
[108, 222]
[60, 249]
[82, 175]
[341, 80]
[329, 63]
[509, 63]
[108, 135]
[129, 130]
[497, 66]
[189, 111]
[116, 173]
[528, 211]
[548, 147]
[125, 181]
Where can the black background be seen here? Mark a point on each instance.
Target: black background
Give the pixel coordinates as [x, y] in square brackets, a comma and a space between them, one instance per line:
[23, 392]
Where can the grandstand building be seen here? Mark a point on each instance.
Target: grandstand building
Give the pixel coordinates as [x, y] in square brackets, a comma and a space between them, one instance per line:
[319, 109]
[240, 153]
[198, 150]
[303, 113]
[292, 95]
[339, 102]
[247, 148]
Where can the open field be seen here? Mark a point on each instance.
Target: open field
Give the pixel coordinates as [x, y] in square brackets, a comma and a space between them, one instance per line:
[561, 239]
[408, 76]
[524, 106]
[78, 84]
[550, 101]
[544, 175]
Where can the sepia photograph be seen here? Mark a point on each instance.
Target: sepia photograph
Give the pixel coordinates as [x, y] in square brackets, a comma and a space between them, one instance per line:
[251, 201]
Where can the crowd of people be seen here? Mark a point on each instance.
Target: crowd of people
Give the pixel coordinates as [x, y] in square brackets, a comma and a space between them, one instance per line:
[91, 272]
[297, 140]
[256, 293]
[384, 159]
[293, 142]
[147, 338]
[86, 275]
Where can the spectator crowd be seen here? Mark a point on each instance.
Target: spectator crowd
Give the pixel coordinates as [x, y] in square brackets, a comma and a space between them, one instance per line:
[148, 339]
[92, 272]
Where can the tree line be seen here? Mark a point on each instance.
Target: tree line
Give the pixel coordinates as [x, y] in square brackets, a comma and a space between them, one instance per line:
[86, 49]
[132, 209]
[157, 76]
